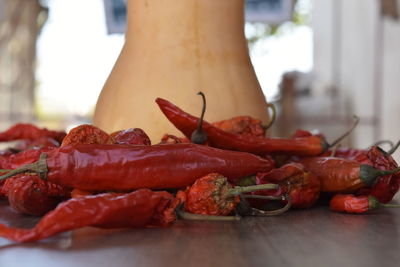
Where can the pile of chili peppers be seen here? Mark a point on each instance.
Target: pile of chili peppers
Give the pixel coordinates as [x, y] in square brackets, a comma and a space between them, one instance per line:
[217, 171]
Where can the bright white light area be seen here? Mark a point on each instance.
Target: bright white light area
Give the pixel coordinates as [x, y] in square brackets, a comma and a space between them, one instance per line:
[289, 51]
[75, 57]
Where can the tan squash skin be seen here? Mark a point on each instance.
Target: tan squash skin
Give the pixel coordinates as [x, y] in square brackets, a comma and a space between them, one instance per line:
[173, 49]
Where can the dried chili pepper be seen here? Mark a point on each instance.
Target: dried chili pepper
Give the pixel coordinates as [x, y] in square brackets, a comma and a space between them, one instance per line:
[303, 187]
[142, 208]
[174, 139]
[75, 193]
[132, 136]
[187, 124]
[342, 175]
[31, 195]
[29, 131]
[356, 204]
[124, 167]
[86, 134]
[246, 125]
[388, 185]
[214, 195]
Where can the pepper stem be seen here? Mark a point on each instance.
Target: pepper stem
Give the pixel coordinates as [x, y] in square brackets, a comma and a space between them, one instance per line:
[237, 190]
[258, 212]
[394, 148]
[261, 197]
[199, 136]
[273, 117]
[382, 142]
[4, 170]
[202, 217]
[39, 167]
[340, 138]
[389, 172]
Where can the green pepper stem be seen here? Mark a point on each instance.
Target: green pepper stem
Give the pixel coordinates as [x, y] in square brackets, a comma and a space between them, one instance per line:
[201, 217]
[261, 197]
[39, 167]
[5, 170]
[340, 138]
[389, 172]
[199, 136]
[382, 142]
[394, 148]
[389, 205]
[237, 190]
[273, 117]
[261, 213]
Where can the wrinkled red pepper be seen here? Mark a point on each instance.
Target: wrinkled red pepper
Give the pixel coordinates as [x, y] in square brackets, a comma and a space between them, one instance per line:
[132, 136]
[86, 134]
[28, 194]
[303, 187]
[187, 124]
[214, 195]
[125, 167]
[355, 204]
[142, 208]
[29, 131]
[342, 175]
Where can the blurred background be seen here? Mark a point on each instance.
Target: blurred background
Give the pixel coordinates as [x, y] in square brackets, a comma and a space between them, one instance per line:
[320, 62]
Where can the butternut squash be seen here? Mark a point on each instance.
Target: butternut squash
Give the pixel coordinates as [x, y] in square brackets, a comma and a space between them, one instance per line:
[173, 49]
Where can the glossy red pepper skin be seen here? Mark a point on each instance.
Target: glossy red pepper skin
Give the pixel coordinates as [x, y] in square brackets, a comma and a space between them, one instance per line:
[29, 131]
[142, 208]
[337, 175]
[125, 167]
[353, 204]
[186, 123]
[28, 194]
[132, 136]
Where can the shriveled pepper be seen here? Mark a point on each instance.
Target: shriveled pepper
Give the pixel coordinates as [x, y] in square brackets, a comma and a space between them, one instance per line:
[187, 124]
[303, 187]
[132, 136]
[356, 204]
[28, 194]
[29, 131]
[87, 134]
[342, 175]
[214, 195]
[142, 208]
[124, 167]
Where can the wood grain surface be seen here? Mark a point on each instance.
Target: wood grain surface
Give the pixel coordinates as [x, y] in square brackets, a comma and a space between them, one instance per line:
[314, 237]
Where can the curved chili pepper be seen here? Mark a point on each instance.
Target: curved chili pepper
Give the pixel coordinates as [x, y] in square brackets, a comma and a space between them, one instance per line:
[125, 167]
[31, 195]
[29, 131]
[342, 175]
[355, 204]
[303, 187]
[214, 195]
[187, 124]
[86, 134]
[142, 208]
[132, 136]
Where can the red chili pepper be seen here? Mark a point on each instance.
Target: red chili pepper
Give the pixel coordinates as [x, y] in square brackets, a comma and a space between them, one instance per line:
[303, 187]
[355, 204]
[75, 193]
[388, 185]
[142, 208]
[31, 195]
[86, 134]
[174, 139]
[132, 136]
[242, 125]
[187, 124]
[342, 175]
[28, 131]
[25, 157]
[214, 195]
[122, 167]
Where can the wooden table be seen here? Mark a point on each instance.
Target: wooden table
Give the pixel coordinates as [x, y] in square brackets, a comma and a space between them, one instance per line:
[315, 237]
